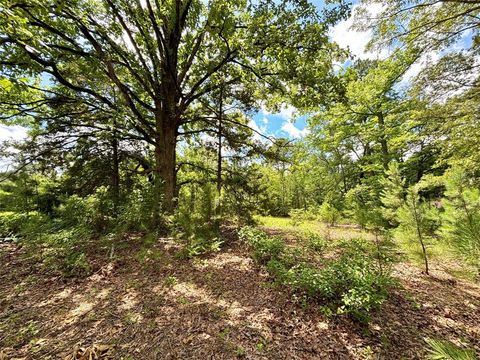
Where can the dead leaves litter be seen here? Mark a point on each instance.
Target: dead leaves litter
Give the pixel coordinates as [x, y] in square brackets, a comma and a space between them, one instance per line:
[94, 352]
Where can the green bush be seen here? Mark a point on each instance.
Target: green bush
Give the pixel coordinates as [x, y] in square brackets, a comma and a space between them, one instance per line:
[328, 213]
[298, 216]
[351, 284]
[94, 211]
[198, 246]
[267, 249]
[64, 252]
[461, 218]
[11, 222]
[264, 247]
[315, 242]
[21, 224]
[137, 213]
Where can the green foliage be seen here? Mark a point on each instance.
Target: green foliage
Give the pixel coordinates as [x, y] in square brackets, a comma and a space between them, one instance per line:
[392, 195]
[315, 242]
[418, 221]
[64, 252]
[197, 229]
[265, 248]
[268, 248]
[10, 222]
[362, 204]
[298, 216]
[328, 213]
[461, 218]
[137, 212]
[94, 211]
[351, 284]
[24, 227]
[149, 254]
[199, 246]
[446, 350]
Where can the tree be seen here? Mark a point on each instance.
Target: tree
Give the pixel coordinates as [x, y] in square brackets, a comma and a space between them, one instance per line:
[392, 194]
[461, 218]
[436, 29]
[160, 59]
[368, 124]
[415, 223]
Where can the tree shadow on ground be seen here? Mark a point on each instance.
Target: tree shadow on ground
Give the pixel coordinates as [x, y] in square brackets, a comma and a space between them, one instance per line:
[221, 306]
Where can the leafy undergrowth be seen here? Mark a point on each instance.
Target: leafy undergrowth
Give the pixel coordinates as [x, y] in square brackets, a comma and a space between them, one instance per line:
[143, 301]
[441, 256]
[350, 282]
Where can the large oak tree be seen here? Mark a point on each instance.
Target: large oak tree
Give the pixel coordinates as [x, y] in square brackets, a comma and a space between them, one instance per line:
[163, 56]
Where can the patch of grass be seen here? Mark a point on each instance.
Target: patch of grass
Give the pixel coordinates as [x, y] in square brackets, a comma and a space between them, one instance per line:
[312, 226]
[170, 281]
[240, 352]
[183, 300]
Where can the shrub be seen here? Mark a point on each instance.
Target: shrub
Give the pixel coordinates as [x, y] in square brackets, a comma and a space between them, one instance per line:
[11, 222]
[417, 223]
[392, 194]
[267, 249]
[94, 211]
[21, 224]
[64, 251]
[251, 235]
[298, 216]
[328, 213]
[352, 284]
[349, 285]
[315, 242]
[461, 218]
[357, 200]
[264, 247]
[137, 213]
[198, 246]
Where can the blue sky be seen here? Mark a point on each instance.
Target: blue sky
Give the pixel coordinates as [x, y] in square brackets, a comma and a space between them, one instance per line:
[282, 124]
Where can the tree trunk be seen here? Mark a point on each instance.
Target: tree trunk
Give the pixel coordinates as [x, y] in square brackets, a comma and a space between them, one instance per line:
[165, 163]
[115, 170]
[219, 153]
[383, 141]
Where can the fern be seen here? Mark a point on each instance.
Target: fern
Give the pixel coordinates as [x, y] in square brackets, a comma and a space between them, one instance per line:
[446, 350]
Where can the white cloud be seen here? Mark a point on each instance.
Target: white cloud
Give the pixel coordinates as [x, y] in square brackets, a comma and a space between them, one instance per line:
[265, 120]
[293, 131]
[356, 41]
[14, 132]
[286, 112]
[9, 133]
[419, 65]
[258, 130]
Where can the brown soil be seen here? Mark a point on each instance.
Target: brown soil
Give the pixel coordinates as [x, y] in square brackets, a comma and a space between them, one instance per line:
[220, 306]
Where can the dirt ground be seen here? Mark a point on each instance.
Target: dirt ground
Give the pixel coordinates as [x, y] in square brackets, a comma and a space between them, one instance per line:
[220, 306]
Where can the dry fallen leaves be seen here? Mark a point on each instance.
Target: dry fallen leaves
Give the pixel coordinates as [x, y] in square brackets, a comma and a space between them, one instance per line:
[94, 352]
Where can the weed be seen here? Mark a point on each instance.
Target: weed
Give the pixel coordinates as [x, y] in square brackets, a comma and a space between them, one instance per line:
[170, 281]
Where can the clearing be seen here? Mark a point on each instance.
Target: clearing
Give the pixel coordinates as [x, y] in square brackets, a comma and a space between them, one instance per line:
[146, 303]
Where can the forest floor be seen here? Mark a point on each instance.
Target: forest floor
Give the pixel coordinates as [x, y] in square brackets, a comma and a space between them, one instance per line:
[148, 304]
